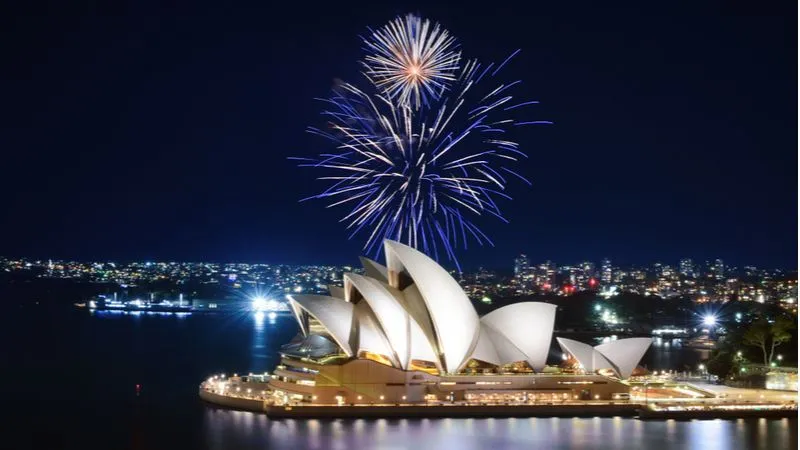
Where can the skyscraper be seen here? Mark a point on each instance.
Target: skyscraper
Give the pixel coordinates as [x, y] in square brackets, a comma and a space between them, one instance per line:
[520, 265]
[543, 275]
[605, 271]
[588, 269]
[687, 268]
[718, 269]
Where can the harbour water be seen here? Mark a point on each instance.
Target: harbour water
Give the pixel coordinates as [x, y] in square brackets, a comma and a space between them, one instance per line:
[81, 380]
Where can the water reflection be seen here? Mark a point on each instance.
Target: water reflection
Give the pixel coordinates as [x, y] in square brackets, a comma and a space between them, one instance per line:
[259, 354]
[233, 430]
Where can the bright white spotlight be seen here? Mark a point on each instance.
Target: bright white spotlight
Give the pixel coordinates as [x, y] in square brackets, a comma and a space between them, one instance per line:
[710, 320]
[259, 303]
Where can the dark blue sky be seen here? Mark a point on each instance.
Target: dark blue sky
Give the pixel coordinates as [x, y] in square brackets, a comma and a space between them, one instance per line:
[153, 132]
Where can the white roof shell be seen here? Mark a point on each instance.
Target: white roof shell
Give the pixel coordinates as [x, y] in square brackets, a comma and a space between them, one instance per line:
[336, 315]
[370, 338]
[621, 356]
[336, 291]
[589, 358]
[528, 326]
[625, 353]
[394, 320]
[374, 270]
[485, 349]
[455, 322]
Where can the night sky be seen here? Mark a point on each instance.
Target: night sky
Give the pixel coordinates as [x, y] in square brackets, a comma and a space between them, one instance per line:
[162, 133]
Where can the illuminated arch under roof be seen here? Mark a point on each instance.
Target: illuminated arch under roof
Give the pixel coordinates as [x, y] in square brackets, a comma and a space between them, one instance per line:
[394, 320]
[528, 325]
[335, 315]
[625, 353]
[589, 358]
[507, 352]
[455, 322]
[485, 350]
[370, 337]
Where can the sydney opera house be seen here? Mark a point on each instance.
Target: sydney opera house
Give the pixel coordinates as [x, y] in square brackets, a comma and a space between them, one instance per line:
[406, 332]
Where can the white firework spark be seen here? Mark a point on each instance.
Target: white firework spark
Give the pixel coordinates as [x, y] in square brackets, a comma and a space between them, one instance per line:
[411, 60]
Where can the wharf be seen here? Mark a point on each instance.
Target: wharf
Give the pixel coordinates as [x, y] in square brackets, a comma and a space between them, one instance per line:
[659, 411]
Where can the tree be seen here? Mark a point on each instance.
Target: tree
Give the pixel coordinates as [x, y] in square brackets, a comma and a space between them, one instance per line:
[767, 336]
[720, 364]
[781, 332]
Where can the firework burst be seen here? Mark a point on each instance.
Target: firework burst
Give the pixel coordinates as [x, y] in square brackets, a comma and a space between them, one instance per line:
[411, 60]
[421, 176]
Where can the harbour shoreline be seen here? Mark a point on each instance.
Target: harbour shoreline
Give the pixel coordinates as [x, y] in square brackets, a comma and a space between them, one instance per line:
[632, 410]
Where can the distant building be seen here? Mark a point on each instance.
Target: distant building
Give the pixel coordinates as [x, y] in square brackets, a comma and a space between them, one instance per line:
[521, 265]
[544, 276]
[687, 268]
[606, 271]
[718, 269]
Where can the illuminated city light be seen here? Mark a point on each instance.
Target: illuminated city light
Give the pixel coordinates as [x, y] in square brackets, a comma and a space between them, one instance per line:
[709, 320]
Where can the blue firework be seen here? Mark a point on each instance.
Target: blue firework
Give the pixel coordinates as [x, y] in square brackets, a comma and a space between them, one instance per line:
[422, 176]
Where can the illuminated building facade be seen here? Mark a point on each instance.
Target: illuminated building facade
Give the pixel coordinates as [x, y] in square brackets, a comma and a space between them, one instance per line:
[406, 332]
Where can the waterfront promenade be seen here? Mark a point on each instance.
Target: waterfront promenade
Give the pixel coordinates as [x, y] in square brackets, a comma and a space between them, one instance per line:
[705, 402]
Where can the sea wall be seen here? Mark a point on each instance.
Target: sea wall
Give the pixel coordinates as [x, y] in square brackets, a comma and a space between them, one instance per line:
[483, 411]
[246, 404]
[416, 411]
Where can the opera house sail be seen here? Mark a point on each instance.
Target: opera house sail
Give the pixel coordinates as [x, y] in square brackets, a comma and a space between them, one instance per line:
[406, 332]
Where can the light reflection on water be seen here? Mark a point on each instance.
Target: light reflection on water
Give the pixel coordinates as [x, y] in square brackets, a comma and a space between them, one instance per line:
[232, 429]
[169, 356]
[258, 348]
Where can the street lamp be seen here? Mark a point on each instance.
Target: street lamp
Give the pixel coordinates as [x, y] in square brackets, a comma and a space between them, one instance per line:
[709, 320]
[780, 357]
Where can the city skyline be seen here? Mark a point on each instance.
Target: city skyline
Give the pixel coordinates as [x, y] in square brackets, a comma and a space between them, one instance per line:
[510, 267]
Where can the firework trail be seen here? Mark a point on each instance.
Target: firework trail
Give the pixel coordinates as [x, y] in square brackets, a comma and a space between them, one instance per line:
[422, 175]
[411, 60]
